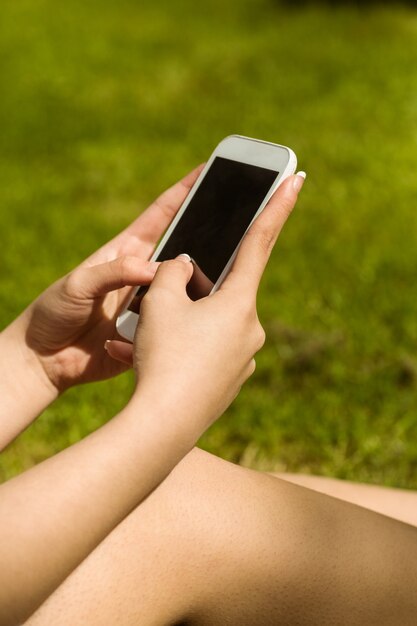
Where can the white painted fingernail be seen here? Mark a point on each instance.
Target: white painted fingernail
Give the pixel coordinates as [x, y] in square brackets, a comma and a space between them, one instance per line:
[106, 344]
[184, 257]
[299, 180]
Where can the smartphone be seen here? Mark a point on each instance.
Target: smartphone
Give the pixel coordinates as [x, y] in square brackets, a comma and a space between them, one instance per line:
[230, 192]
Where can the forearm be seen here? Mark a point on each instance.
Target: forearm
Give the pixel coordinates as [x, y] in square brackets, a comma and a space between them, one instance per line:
[54, 515]
[24, 389]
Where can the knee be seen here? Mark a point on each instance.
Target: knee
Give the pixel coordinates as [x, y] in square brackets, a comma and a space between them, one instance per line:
[252, 549]
[243, 549]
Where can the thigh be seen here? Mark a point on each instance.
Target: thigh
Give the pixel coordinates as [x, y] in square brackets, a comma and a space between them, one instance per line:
[400, 504]
[219, 544]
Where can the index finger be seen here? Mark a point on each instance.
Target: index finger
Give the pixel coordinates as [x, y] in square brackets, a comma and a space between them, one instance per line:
[257, 244]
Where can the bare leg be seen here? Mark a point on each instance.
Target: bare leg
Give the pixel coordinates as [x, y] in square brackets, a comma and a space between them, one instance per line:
[219, 544]
[397, 503]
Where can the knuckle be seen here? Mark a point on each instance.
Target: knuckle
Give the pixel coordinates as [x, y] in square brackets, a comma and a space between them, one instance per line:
[248, 312]
[260, 337]
[72, 284]
[264, 238]
[246, 305]
[251, 367]
[124, 265]
[251, 327]
[286, 204]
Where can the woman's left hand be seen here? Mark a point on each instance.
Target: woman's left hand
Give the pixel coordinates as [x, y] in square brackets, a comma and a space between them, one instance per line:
[67, 326]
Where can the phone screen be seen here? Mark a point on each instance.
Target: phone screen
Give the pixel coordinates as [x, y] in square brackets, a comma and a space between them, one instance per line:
[215, 221]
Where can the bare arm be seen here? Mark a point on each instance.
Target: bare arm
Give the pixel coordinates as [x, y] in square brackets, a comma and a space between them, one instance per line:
[24, 389]
[54, 515]
[58, 341]
[192, 361]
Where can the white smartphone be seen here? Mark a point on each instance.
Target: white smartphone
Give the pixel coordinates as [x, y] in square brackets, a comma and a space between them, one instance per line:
[230, 192]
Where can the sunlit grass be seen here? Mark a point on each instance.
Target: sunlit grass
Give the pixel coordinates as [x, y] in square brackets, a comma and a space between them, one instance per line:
[103, 105]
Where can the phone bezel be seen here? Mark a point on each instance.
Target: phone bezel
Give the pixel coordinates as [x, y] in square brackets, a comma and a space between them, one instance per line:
[238, 148]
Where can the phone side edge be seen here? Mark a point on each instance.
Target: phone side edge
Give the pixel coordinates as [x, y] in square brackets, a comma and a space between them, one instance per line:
[127, 320]
[126, 324]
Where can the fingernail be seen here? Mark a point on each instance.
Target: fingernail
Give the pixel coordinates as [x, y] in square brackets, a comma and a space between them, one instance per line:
[153, 265]
[106, 344]
[184, 257]
[299, 181]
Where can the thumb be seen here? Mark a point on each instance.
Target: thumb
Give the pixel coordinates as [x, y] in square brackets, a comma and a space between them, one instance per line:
[258, 242]
[97, 280]
[173, 275]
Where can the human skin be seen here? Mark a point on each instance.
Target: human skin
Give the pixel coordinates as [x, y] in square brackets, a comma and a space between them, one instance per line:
[58, 341]
[212, 543]
[219, 544]
[55, 514]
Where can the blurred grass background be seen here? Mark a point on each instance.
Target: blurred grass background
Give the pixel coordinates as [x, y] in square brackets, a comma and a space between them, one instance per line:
[103, 105]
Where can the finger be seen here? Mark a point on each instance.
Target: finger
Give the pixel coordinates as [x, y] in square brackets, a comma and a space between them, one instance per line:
[250, 368]
[173, 275]
[96, 281]
[120, 351]
[200, 285]
[258, 242]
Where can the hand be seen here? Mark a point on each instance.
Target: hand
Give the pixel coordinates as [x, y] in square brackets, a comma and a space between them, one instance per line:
[66, 327]
[192, 357]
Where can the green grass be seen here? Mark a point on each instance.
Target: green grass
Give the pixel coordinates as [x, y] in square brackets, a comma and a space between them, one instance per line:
[104, 104]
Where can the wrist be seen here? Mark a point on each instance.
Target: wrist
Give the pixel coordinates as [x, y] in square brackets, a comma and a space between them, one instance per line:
[162, 417]
[25, 387]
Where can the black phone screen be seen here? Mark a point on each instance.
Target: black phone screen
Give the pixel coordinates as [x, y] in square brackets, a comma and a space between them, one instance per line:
[214, 222]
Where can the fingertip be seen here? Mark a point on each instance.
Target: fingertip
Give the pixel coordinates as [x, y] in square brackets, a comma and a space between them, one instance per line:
[186, 261]
[184, 257]
[174, 273]
[299, 180]
[285, 196]
[120, 351]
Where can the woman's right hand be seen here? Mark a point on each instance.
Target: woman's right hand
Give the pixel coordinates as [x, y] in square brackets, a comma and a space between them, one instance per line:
[193, 356]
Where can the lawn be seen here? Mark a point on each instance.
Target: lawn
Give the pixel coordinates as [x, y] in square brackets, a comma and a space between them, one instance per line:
[105, 104]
